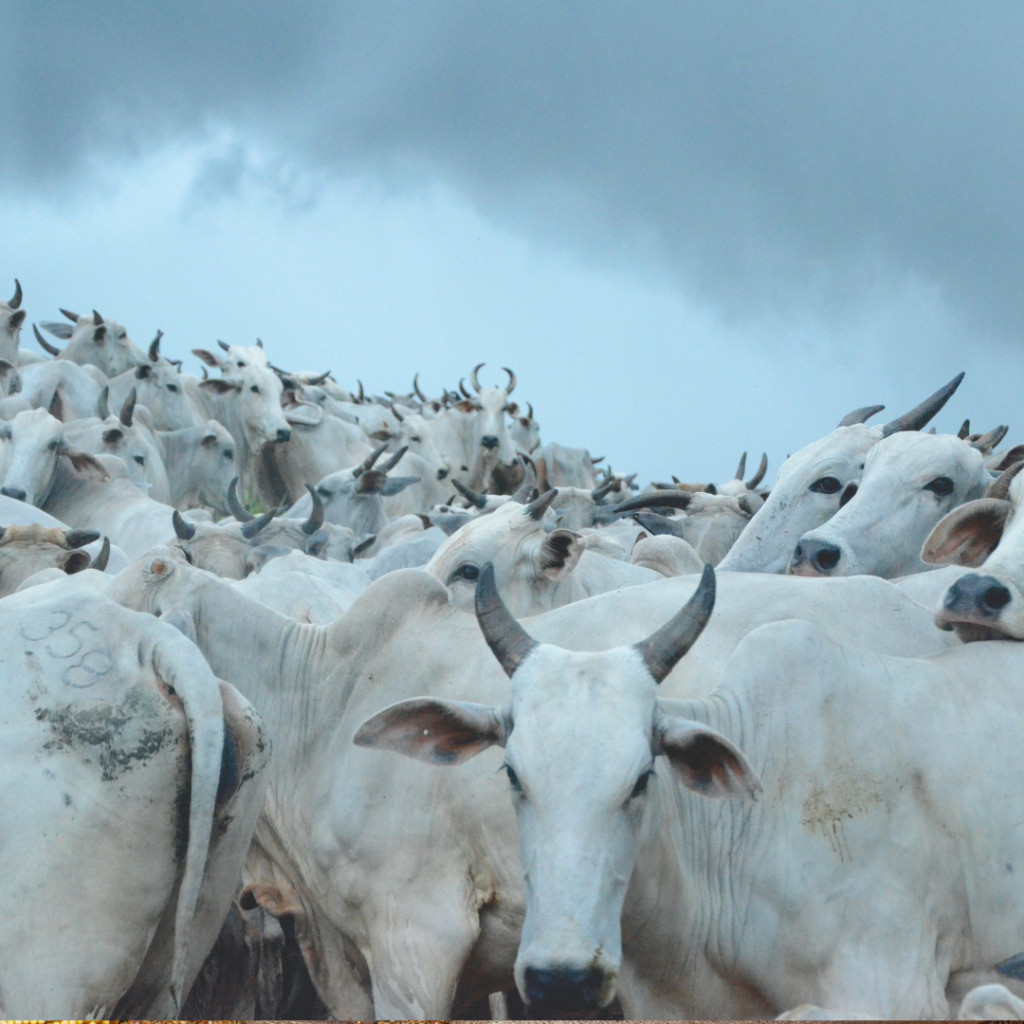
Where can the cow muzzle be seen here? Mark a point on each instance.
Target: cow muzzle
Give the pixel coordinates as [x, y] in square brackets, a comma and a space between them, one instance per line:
[815, 558]
[562, 988]
[972, 608]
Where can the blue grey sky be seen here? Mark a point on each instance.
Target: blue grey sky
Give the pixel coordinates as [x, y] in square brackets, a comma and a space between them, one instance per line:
[691, 229]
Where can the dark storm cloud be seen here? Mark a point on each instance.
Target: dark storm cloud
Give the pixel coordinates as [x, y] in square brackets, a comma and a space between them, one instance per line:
[770, 157]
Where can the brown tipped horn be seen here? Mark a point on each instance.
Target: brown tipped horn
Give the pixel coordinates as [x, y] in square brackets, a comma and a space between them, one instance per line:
[103, 405]
[1000, 487]
[511, 380]
[416, 388]
[660, 499]
[99, 563]
[73, 317]
[477, 499]
[762, 468]
[224, 345]
[44, 344]
[505, 637]
[154, 347]
[79, 538]
[16, 301]
[128, 409]
[182, 529]
[250, 529]
[860, 415]
[316, 517]
[965, 429]
[919, 416]
[741, 468]
[393, 461]
[537, 508]
[235, 507]
[662, 649]
[97, 319]
[474, 380]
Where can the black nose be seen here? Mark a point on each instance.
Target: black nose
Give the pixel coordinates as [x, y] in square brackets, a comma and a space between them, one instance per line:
[283, 435]
[980, 595]
[563, 988]
[13, 492]
[821, 555]
[489, 441]
[442, 473]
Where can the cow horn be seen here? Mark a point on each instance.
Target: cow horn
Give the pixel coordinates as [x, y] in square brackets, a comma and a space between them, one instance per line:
[362, 394]
[475, 498]
[317, 381]
[474, 380]
[537, 507]
[505, 637]
[154, 347]
[103, 404]
[79, 538]
[370, 459]
[97, 319]
[659, 499]
[316, 517]
[16, 301]
[73, 317]
[861, 415]
[511, 381]
[919, 416]
[759, 475]
[394, 460]
[462, 388]
[224, 345]
[741, 468]
[987, 441]
[45, 345]
[251, 528]
[663, 648]
[398, 416]
[416, 388]
[600, 492]
[182, 529]
[235, 507]
[128, 409]
[1000, 487]
[965, 429]
[529, 409]
[99, 563]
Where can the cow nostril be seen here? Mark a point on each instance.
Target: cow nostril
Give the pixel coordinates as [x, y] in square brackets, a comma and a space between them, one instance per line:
[563, 988]
[827, 558]
[13, 492]
[996, 597]
[442, 473]
[489, 441]
[798, 554]
[284, 435]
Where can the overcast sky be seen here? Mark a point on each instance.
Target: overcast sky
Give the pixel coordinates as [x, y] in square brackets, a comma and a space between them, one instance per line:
[691, 229]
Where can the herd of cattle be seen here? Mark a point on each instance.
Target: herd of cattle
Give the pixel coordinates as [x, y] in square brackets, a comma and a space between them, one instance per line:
[318, 703]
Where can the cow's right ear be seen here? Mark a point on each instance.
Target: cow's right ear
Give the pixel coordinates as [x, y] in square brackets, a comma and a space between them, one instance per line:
[220, 386]
[84, 464]
[207, 357]
[436, 731]
[559, 554]
[968, 534]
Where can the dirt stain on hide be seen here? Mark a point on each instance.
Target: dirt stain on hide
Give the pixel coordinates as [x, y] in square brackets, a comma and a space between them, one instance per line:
[120, 735]
[838, 800]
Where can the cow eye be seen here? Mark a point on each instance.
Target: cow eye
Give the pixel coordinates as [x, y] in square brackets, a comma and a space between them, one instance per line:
[941, 486]
[466, 571]
[54, 444]
[641, 784]
[826, 485]
[513, 779]
[172, 387]
[140, 459]
[188, 554]
[254, 389]
[323, 492]
[229, 454]
[241, 362]
[416, 438]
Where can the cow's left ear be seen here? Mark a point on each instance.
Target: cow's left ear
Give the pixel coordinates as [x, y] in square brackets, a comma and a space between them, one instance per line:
[968, 534]
[559, 554]
[84, 464]
[703, 759]
[436, 731]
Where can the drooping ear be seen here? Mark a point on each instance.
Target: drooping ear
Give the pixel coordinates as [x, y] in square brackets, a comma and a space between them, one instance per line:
[703, 759]
[436, 731]
[395, 484]
[968, 534]
[84, 464]
[220, 386]
[559, 554]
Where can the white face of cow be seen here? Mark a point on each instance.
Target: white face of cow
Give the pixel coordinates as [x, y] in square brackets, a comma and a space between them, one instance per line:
[104, 344]
[807, 493]
[161, 390]
[581, 735]
[987, 534]
[252, 394]
[910, 481]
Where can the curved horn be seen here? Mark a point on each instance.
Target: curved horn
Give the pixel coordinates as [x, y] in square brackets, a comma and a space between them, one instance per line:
[45, 345]
[16, 301]
[394, 412]
[1000, 487]
[462, 388]
[860, 415]
[317, 381]
[79, 538]
[362, 394]
[659, 499]
[741, 468]
[474, 380]
[73, 317]
[393, 461]
[103, 405]
[99, 563]
[235, 507]
[511, 380]
[182, 529]
[529, 410]
[224, 345]
[762, 468]
[965, 429]
[537, 507]
[97, 319]
[416, 388]
[662, 649]
[154, 347]
[128, 409]
[370, 460]
[316, 517]
[505, 637]
[250, 529]
[600, 492]
[475, 498]
[919, 416]
[987, 441]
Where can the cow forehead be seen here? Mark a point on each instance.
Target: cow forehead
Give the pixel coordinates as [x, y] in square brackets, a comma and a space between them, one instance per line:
[914, 451]
[843, 444]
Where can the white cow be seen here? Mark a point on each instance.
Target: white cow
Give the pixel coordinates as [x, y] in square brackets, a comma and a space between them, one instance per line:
[94, 341]
[11, 319]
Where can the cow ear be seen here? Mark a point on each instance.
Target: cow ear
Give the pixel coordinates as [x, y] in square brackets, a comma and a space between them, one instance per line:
[968, 534]
[207, 357]
[85, 465]
[181, 619]
[113, 437]
[208, 440]
[145, 370]
[436, 731]
[394, 484]
[304, 415]
[99, 335]
[559, 554]
[220, 386]
[703, 759]
[76, 561]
